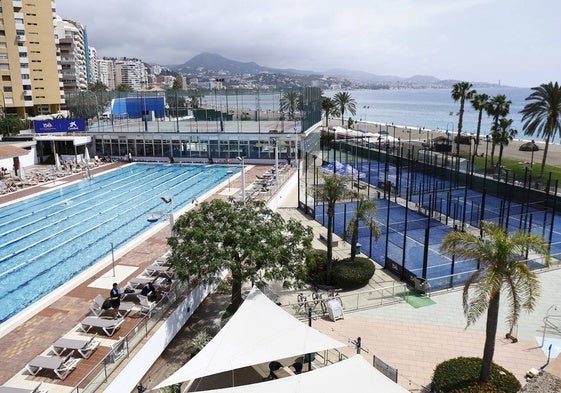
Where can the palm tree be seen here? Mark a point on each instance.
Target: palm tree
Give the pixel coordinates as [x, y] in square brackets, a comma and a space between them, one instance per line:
[479, 103]
[542, 115]
[344, 102]
[329, 107]
[290, 102]
[504, 269]
[461, 91]
[333, 189]
[366, 212]
[497, 107]
[505, 134]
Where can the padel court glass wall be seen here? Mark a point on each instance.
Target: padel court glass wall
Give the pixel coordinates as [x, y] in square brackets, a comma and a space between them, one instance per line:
[421, 196]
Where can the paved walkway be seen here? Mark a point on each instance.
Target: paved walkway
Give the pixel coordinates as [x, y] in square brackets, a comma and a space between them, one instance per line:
[415, 340]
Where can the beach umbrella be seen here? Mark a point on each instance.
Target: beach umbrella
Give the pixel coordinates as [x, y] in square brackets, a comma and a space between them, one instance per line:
[86, 155]
[21, 173]
[57, 162]
[529, 146]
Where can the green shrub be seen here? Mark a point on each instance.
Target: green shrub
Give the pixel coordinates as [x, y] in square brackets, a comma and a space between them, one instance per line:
[461, 375]
[352, 275]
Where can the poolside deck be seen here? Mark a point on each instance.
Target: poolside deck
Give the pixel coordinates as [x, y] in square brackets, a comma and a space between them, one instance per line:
[22, 338]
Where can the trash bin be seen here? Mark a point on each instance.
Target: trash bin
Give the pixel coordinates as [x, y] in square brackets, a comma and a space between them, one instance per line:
[358, 246]
[334, 309]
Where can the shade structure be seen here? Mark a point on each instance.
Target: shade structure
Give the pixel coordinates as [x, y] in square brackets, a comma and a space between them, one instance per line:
[343, 169]
[352, 375]
[342, 133]
[57, 162]
[259, 332]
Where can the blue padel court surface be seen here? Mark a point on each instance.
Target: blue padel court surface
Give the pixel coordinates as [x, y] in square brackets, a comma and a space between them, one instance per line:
[406, 228]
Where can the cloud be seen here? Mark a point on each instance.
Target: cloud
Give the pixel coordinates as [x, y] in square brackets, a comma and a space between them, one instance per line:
[478, 40]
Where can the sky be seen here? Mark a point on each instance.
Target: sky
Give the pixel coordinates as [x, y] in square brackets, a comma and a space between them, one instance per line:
[516, 42]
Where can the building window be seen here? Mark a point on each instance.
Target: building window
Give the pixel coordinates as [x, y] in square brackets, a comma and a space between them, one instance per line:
[7, 89]
[4, 67]
[6, 78]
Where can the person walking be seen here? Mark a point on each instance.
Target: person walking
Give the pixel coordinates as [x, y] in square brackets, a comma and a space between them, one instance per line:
[115, 297]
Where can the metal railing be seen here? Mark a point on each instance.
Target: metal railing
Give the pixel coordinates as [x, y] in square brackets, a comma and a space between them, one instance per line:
[122, 348]
[353, 301]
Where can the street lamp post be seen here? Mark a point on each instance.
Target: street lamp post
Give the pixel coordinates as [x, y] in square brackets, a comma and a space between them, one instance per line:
[532, 159]
[242, 162]
[169, 200]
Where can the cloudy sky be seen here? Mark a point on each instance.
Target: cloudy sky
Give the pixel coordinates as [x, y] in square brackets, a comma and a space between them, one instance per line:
[515, 41]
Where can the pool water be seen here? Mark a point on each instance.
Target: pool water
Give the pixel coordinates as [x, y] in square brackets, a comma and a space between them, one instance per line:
[48, 239]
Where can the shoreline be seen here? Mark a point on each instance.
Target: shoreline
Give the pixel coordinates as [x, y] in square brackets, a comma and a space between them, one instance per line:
[511, 151]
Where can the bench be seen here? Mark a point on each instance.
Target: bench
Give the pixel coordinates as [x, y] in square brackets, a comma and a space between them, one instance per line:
[334, 240]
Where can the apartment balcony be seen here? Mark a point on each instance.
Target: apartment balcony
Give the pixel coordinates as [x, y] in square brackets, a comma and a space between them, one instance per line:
[20, 38]
[17, 4]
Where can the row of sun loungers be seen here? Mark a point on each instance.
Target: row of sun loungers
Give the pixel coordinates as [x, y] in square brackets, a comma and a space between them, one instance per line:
[66, 353]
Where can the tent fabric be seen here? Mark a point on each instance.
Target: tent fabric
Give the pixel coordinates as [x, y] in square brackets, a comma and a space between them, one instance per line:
[343, 169]
[354, 374]
[259, 332]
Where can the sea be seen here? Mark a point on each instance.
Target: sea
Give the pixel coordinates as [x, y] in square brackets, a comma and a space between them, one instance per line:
[433, 109]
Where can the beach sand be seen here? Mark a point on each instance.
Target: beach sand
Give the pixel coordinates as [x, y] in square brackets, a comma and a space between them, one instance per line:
[511, 151]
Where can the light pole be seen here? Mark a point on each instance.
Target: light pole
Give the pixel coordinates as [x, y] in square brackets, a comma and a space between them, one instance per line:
[242, 161]
[169, 200]
[532, 159]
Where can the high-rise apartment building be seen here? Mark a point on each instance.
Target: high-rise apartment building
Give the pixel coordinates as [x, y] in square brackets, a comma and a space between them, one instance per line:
[72, 48]
[131, 72]
[30, 69]
[106, 70]
[92, 65]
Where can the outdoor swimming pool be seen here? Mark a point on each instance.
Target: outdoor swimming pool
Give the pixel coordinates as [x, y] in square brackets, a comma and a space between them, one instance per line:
[48, 239]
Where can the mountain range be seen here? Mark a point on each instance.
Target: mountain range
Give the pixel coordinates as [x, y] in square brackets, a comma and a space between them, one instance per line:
[212, 62]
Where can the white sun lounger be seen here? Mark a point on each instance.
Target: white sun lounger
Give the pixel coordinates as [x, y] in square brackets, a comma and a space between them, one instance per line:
[9, 389]
[156, 270]
[109, 326]
[98, 310]
[60, 366]
[84, 347]
[140, 281]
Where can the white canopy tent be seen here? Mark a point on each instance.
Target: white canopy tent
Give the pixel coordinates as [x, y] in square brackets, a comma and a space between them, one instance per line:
[341, 133]
[354, 374]
[259, 332]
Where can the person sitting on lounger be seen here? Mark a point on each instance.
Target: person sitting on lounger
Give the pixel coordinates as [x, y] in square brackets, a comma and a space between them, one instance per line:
[149, 291]
[115, 297]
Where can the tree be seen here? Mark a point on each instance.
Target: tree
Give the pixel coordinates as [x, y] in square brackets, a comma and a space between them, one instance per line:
[124, 88]
[289, 103]
[249, 240]
[329, 107]
[344, 102]
[177, 85]
[479, 103]
[334, 188]
[97, 86]
[542, 115]
[366, 212]
[82, 104]
[461, 91]
[505, 134]
[497, 107]
[503, 269]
